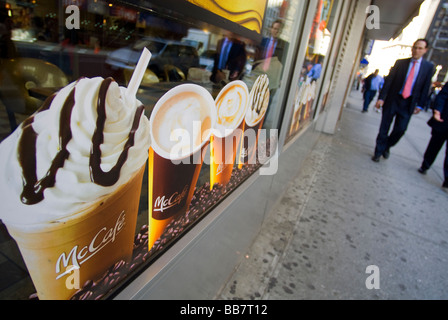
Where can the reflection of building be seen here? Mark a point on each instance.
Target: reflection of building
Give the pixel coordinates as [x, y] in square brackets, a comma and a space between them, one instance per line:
[322, 43]
[273, 12]
[438, 38]
[384, 53]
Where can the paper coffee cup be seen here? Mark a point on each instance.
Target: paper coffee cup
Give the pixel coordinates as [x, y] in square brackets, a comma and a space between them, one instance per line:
[297, 109]
[186, 112]
[82, 246]
[231, 104]
[256, 111]
[308, 102]
[296, 119]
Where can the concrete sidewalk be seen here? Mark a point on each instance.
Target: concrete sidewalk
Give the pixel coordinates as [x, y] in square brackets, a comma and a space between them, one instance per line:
[345, 213]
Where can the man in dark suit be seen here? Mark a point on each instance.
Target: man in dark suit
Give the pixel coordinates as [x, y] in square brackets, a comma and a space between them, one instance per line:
[405, 92]
[230, 55]
[271, 46]
[439, 134]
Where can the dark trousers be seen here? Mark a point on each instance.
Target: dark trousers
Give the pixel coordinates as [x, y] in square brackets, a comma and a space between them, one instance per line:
[368, 97]
[434, 146]
[398, 110]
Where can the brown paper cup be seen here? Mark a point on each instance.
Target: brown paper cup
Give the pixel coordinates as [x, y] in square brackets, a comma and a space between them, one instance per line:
[224, 145]
[223, 152]
[92, 240]
[172, 179]
[248, 146]
[297, 119]
[171, 188]
[259, 97]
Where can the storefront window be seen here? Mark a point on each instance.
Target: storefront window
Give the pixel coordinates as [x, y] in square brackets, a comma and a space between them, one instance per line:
[60, 122]
[313, 68]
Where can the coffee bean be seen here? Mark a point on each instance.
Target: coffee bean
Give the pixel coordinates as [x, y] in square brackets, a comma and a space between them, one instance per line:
[88, 284]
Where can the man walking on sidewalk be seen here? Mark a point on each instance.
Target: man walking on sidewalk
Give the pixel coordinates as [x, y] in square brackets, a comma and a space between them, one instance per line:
[439, 134]
[405, 92]
[372, 84]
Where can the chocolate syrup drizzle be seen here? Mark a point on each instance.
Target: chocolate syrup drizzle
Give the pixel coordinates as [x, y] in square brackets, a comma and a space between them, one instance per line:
[97, 175]
[27, 158]
[33, 189]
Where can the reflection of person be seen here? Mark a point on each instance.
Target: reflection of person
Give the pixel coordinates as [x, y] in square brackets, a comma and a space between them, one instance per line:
[315, 70]
[230, 55]
[435, 89]
[405, 92]
[358, 80]
[439, 135]
[372, 84]
[271, 46]
[269, 58]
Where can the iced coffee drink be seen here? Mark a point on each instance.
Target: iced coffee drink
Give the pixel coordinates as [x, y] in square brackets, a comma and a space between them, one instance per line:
[231, 105]
[71, 181]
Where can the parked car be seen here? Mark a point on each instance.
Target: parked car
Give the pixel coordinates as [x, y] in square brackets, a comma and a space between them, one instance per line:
[207, 59]
[127, 57]
[165, 54]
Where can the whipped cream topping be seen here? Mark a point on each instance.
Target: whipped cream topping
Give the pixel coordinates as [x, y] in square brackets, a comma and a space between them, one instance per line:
[258, 100]
[84, 143]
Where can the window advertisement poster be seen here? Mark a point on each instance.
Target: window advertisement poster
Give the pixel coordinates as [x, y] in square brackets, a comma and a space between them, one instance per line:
[309, 83]
[249, 13]
[120, 129]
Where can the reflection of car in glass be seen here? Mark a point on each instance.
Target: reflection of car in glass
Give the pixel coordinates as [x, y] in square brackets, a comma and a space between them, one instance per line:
[206, 60]
[127, 57]
[172, 55]
[175, 54]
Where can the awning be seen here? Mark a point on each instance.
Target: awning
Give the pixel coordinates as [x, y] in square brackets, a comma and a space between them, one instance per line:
[395, 15]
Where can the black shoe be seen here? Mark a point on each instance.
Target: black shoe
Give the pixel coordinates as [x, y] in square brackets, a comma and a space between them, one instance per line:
[375, 159]
[386, 154]
[422, 171]
[364, 111]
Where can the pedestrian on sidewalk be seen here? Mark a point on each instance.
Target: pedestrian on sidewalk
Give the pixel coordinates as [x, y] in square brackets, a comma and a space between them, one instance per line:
[372, 84]
[439, 135]
[405, 92]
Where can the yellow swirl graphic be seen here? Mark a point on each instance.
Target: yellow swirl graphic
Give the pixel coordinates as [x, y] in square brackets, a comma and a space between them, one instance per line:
[248, 14]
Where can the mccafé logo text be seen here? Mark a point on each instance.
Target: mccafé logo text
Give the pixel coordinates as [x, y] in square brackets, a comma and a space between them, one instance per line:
[163, 203]
[221, 168]
[244, 153]
[99, 241]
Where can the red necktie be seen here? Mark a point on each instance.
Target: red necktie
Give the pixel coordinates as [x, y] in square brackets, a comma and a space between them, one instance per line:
[267, 61]
[408, 85]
